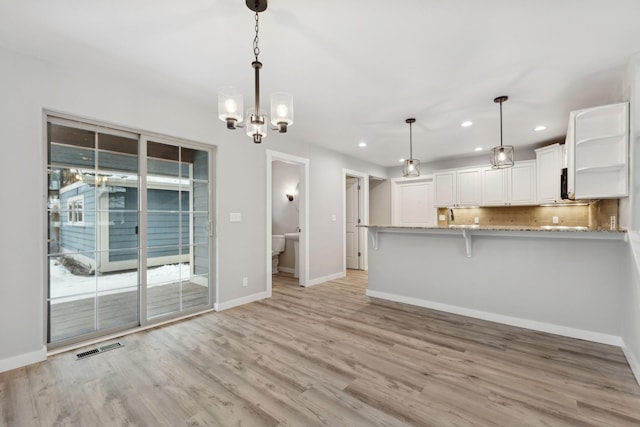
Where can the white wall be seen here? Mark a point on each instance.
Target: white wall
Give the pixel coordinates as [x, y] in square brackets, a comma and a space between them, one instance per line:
[380, 202]
[631, 309]
[285, 214]
[30, 85]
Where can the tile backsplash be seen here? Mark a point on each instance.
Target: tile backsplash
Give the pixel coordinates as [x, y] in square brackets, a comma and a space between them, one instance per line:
[594, 215]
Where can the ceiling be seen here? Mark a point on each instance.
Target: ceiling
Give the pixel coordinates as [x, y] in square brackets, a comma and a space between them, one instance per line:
[357, 69]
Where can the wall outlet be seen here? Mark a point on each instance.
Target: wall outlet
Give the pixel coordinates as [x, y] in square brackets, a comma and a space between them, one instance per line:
[334, 217]
[245, 281]
[476, 220]
[442, 218]
[555, 220]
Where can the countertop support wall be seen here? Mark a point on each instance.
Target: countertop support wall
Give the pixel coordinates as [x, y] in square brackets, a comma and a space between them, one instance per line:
[569, 286]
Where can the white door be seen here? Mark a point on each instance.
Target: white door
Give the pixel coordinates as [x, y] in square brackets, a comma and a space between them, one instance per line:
[413, 204]
[351, 219]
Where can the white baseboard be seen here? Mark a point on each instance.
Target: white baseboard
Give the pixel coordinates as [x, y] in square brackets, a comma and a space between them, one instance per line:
[23, 359]
[323, 279]
[241, 301]
[633, 361]
[507, 320]
[286, 269]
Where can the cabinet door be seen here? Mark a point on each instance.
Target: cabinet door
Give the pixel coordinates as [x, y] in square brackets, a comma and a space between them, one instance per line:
[445, 189]
[548, 174]
[469, 188]
[494, 187]
[523, 184]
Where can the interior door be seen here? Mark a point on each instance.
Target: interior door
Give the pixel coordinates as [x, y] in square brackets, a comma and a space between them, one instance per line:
[351, 222]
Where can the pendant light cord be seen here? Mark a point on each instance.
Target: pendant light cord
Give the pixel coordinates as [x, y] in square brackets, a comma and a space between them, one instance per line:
[501, 123]
[410, 141]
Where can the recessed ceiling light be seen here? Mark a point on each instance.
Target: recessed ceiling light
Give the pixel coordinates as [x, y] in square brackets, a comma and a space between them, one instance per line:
[401, 160]
[477, 149]
[362, 144]
[466, 124]
[539, 128]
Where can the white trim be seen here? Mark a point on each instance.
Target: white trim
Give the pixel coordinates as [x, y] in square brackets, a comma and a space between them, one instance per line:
[507, 320]
[303, 254]
[289, 270]
[324, 279]
[363, 182]
[241, 301]
[633, 362]
[24, 359]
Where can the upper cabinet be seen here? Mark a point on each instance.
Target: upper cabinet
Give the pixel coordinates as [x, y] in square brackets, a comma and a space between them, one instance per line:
[598, 144]
[458, 188]
[549, 171]
[510, 186]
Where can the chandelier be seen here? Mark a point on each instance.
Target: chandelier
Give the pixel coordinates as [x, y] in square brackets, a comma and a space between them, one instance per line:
[230, 101]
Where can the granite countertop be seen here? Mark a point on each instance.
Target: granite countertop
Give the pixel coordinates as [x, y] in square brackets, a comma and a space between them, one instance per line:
[542, 228]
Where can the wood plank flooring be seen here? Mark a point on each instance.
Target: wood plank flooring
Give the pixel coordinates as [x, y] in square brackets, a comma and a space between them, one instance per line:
[78, 317]
[328, 355]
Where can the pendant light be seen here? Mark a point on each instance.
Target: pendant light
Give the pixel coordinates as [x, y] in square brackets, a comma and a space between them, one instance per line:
[502, 156]
[411, 165]
[230, 102]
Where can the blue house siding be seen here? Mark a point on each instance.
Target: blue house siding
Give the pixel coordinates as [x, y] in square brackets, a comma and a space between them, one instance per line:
[167, 229]
[78, 238]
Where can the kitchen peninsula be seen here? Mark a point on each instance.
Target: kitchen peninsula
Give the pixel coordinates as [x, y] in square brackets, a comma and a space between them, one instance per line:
[563, 280]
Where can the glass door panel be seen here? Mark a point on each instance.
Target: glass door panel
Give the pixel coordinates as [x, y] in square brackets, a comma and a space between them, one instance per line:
[177, 274]
[93, 215]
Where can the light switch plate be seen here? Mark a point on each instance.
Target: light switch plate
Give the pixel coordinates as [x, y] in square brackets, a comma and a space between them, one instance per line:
[334, 217]
[555, 219]
[476, 220]
[442, 218]
[235, 217]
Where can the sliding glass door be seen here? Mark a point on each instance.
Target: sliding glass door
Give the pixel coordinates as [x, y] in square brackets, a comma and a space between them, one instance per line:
[120, 204]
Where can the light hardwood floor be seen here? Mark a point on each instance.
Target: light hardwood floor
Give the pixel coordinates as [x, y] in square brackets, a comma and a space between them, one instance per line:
[328, 355]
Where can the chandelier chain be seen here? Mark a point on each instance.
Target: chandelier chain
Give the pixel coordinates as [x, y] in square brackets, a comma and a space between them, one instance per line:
[256, 49]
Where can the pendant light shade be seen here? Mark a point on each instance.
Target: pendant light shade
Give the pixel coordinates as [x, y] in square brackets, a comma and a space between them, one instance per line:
[502, 156]
[411, 166]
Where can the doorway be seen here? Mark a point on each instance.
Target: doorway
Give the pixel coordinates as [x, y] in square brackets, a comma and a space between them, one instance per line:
[356, 214]
[129, 229]
[288, 205]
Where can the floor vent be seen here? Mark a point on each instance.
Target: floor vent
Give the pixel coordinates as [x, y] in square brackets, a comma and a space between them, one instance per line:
[98, 350]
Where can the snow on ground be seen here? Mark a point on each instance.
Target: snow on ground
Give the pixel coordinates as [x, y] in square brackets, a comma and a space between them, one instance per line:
[66, 286]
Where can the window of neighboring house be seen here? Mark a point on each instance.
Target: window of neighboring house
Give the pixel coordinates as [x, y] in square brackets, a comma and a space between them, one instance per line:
[75, 210]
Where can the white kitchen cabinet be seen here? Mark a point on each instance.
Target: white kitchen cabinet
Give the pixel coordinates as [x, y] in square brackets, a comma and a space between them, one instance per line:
[598, 144]
[510, 186]
[549, 170]
[469, 184]
[458, 188]
[445, 189]
[494, 187]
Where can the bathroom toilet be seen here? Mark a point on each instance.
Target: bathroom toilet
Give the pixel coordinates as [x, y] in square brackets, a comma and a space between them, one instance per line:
[277, 247]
